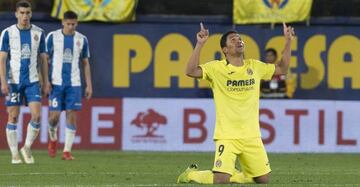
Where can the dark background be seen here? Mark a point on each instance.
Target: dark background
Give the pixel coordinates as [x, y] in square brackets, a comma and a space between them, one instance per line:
[320, 8]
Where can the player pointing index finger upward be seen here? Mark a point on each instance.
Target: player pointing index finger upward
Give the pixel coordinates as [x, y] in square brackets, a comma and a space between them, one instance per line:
[235, 83]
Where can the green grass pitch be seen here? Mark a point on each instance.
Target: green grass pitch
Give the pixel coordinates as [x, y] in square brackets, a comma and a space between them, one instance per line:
[115, 168]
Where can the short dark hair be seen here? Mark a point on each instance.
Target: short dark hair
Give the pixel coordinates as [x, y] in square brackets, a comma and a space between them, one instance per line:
[271, 50]
[224, 37]
[70, 15]
[23, 3]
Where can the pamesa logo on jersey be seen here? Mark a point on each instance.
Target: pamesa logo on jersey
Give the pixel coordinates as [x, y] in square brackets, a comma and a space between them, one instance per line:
[68, 55]
[275, 4]
[240, 85]
[25, 51]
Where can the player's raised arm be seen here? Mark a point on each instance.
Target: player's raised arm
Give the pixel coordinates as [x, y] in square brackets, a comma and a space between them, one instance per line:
[4, 85]
[283, 66]
[192, 68]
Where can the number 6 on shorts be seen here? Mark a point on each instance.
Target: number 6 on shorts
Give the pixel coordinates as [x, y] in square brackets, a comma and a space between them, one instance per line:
[54, 103]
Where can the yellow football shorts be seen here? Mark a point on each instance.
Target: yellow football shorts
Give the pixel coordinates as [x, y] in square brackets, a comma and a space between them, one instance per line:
[250, 152]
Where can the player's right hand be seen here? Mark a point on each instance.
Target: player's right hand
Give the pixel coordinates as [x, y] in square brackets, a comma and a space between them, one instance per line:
[46, 88]
[202, 35]
[5, 89]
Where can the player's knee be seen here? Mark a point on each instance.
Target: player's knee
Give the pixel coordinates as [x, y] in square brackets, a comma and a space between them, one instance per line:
[54, 117]
[53, 120]
[71, 121]
[13, 117]
[36, 117]
[264, 179]
[71, 117]
[221, 178]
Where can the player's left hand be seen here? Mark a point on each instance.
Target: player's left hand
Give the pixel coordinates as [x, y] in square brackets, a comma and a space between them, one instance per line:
[289, 31]
[88, 92]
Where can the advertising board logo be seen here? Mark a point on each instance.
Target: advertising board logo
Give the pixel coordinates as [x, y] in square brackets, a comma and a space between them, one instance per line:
[149, 122]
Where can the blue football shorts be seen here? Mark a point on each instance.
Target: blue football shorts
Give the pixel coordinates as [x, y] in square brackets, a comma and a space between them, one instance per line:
[23, 93]
[65, 98]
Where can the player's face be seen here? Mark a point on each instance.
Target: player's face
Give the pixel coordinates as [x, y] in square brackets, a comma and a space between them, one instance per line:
[69, 25]
[23, 16]
[234, 45]
[270, 57]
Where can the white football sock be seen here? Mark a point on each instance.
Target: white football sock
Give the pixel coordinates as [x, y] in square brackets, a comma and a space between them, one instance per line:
[11, 136]
[69, 137]
[53, 132]
[32, 132]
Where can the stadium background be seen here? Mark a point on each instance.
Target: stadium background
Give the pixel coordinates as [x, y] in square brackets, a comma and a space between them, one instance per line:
[143, 100]
[147, 121]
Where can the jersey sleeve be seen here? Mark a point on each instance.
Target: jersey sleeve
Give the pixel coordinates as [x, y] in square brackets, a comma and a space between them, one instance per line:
[207, 70]
[266, 71]
[49, 44]
[42, 43]
[4, 41]
[85, 52]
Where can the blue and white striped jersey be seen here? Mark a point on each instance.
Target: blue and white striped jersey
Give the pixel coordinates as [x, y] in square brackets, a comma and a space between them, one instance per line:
[65, 53]
[23, 48]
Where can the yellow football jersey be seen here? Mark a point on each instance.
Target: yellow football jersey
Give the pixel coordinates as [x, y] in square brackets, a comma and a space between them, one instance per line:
[236, 95]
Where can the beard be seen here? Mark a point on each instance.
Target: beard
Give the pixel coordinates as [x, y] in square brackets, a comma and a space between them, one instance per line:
[238, 53]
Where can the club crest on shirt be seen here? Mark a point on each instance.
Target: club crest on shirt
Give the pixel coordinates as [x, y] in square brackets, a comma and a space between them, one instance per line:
[218, 163]
[249, 71]
[78, 43]
[36, 37]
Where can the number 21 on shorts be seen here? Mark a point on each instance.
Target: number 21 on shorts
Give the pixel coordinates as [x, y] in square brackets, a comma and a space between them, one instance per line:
[15, 97]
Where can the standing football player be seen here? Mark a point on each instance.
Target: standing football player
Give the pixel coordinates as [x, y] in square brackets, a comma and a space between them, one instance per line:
[67, 50]
[20, 46]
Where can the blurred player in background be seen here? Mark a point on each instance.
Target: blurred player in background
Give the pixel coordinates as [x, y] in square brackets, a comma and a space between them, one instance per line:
[67, 49]
[20, 45]
[276, 87]
[235, 83]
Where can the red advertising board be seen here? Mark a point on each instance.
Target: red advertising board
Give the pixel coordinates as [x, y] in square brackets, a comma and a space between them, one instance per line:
[168, 124]
[99, 125]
